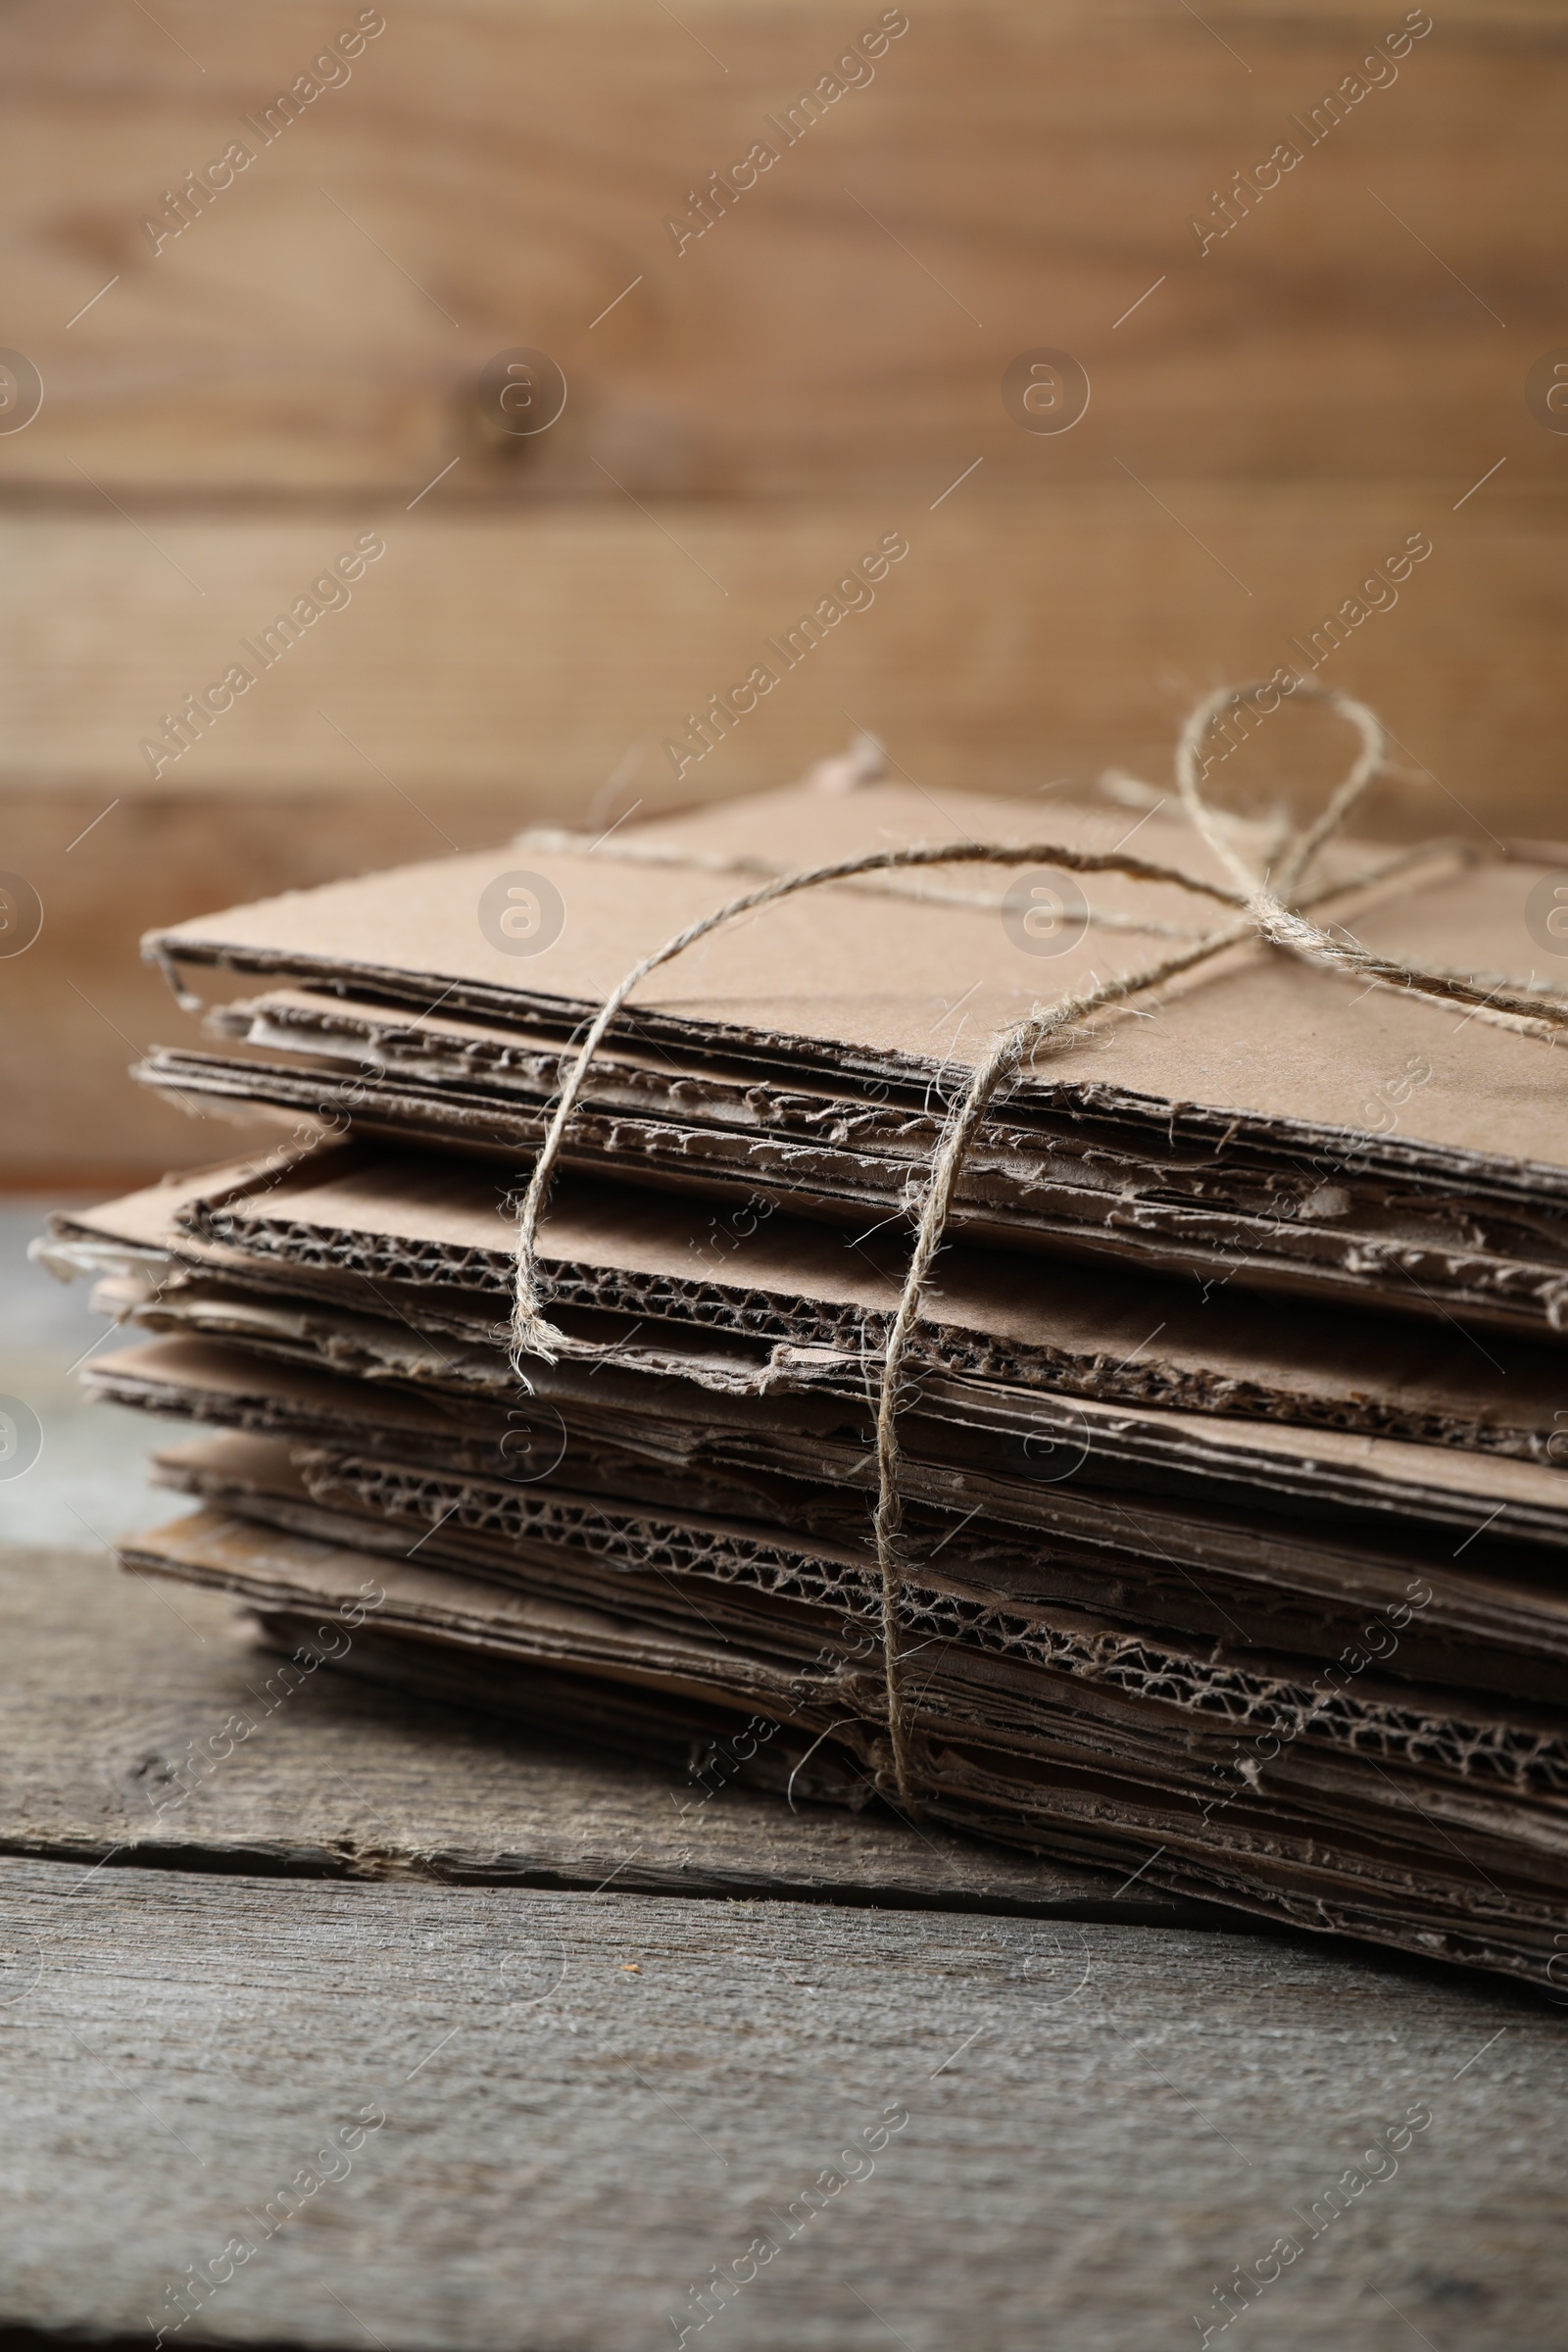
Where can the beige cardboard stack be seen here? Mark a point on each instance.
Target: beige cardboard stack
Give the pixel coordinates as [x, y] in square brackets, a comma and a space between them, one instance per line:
[1235, 1505]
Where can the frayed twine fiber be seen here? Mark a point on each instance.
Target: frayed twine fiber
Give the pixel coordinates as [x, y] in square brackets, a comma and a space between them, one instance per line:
[1270, 907]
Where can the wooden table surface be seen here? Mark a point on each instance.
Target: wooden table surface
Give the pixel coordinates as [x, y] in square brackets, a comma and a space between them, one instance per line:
[470, 2042]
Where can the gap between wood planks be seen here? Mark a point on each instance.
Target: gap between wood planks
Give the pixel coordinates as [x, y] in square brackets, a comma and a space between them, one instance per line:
[362, 1862]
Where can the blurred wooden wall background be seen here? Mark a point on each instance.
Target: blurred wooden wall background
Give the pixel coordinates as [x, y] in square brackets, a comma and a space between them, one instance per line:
[226, 413]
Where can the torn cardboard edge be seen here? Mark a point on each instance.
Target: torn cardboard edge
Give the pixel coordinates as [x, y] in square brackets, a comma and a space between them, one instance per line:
[1360, 1612]
[771, 1300]
[1264, 1047]
[771, 1592]
[1374, 1868]
[1061, 1536]
[973, 1435]
[1291, 1227]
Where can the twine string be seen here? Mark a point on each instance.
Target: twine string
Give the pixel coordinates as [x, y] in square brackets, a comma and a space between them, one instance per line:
[531, 1333]
[1269, 908]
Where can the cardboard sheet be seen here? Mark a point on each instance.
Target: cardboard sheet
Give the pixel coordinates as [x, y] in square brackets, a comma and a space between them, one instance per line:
[1362, 1616]
[1497, 1621]
[1302, 1839]
[754, 1301]
[1347, 1220]
[1235, 1468]
[961, 1434]
[854, 980]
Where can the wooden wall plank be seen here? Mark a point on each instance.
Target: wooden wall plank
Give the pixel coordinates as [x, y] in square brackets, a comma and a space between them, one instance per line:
[1019, 642]
[79, 1005]
[576, 2108]
[1028, 173]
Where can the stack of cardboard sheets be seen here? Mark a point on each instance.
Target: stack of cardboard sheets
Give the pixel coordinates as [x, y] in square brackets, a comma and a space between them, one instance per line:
[1234, 1460]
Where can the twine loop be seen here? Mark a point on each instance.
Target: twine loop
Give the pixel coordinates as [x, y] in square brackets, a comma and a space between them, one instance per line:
[1268, 906]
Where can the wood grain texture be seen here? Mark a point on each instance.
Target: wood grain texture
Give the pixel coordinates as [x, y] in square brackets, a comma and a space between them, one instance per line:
[1016, 646]
[493, 670]
[79, 1004]
[301, 363]
[111, 1679]
[591, 2103]
[1014, 176]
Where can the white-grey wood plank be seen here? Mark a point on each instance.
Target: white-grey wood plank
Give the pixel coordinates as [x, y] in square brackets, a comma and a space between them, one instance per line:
[595, 2104]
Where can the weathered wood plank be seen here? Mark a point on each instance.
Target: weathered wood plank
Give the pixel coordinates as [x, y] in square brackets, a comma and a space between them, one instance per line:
[79, 1004]
[490, 671]
[496, 178]
[1013, 646]
[592, 2104]
[117, 1693]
